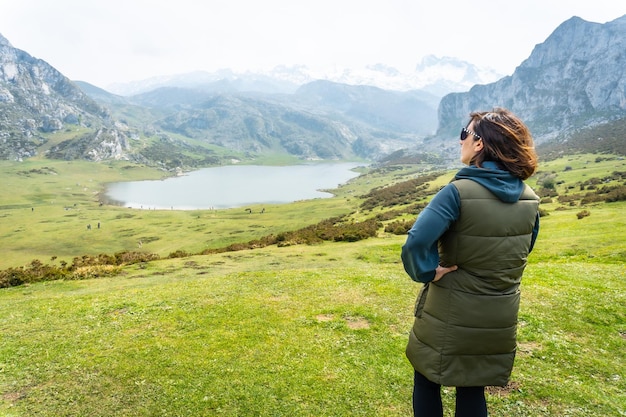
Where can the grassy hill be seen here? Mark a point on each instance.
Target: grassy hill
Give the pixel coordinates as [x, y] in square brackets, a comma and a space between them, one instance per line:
[289, 330]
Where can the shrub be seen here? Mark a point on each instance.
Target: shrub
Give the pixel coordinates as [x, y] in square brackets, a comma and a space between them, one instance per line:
[401, 193]
[399, 227]
[179, 254]
[543, 213]
[95, 271]
[82, 267]
[132, 257]
[548, 183]
[582, 214]
[546, 192]
[12, 277]
[36, 271]
[572, 198]
[618, 194]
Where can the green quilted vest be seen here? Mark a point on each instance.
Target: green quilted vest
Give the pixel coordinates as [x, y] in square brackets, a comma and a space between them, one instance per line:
[465, 326]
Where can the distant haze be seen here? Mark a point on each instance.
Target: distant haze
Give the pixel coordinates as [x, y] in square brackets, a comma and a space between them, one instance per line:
[109, 41]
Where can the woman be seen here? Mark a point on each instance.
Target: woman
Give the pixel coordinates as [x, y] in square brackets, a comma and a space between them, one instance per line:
[469, 246]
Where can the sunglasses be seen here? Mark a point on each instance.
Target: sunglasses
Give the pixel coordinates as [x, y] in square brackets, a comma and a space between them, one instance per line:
[465, 132]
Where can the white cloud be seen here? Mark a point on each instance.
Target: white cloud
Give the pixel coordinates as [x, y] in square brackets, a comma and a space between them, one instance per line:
[105, 41]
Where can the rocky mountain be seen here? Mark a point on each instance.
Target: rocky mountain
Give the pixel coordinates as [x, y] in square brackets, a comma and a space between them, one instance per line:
[250, 125]
[321, 120]
[410, 112]
[199, 124]
[36, 99]
[575, 79]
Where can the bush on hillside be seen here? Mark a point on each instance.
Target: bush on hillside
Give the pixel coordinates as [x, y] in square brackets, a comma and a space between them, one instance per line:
[405, 192]
[336, 229]
[83, 267]
[36, 271]
[179, 254]
[608, 194]
[414, 209]
[399, 227]
[547, 192]
[583, 214]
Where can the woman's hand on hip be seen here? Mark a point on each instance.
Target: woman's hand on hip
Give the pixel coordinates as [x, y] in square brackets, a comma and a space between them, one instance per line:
[442, 270]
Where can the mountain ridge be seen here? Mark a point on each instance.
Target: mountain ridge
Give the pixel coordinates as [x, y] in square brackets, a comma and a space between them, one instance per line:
[572, 81]
[436, 75]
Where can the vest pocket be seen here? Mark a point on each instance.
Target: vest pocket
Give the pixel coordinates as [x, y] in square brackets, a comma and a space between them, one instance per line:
[482, 311]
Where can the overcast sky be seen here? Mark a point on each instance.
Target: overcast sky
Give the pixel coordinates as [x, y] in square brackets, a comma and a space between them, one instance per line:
[108, 41]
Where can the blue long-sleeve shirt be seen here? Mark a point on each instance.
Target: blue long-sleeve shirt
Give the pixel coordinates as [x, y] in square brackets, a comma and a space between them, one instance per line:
[420, 254]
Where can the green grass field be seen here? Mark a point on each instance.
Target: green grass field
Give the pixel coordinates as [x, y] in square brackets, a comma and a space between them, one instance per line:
[315, 330]
[47, 206]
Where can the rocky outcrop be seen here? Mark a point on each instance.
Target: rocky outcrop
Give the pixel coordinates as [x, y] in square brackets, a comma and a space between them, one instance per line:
[36, 99]
[105, 144]
[575, 79]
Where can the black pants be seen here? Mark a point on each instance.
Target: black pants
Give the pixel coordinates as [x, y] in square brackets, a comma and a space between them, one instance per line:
[470, 401]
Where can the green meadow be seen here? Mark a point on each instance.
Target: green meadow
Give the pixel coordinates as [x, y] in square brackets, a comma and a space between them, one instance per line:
[298, 330]
[46, 209]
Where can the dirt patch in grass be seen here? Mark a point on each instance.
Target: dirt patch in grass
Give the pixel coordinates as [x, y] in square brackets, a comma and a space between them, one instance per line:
[13, 397]
[527, 348]
[354, 323]
[357, 323]
[503, 391]
[324, 317]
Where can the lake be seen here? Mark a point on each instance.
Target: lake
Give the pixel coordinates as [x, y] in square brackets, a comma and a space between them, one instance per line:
[233, 186]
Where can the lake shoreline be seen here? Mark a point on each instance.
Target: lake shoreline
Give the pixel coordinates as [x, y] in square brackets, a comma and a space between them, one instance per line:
[231, 186]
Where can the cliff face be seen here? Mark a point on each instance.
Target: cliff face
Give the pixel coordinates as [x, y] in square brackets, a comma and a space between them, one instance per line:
[35, 98]
[575, 79]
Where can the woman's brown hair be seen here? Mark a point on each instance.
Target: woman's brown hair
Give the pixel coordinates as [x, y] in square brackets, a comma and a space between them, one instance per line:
[506, 141]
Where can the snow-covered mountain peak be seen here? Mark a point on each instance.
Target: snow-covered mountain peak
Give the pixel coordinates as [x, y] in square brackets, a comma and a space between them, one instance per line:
[437, 75]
